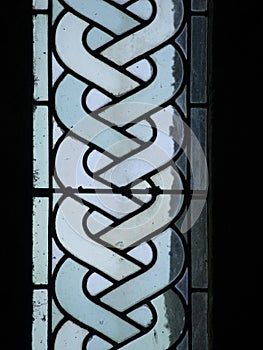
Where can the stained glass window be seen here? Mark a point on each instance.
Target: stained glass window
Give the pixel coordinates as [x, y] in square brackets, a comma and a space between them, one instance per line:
[120, 175]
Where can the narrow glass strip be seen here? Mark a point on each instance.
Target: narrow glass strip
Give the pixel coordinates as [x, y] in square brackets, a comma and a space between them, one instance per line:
[199, 5]
[40, 57]
[40, 240]
[199, 321]
[40, 147]
[198, 148]
[40, 320]
[40, 4]
[198, 77]
[199, 249]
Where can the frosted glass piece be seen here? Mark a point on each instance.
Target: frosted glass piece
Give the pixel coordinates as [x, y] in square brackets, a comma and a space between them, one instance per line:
[57, 254]
[182, 40]
[142, 130]
[70, 336]
[181, 101]
[57, 70]
[97, 284]
[40, 57]
[182, 285]
[143, 253]
[142, 315]
[141, 8]
[40, 240]
[40, 147]
[181, 163]
[121, 2]
[97, 161]
[57, 8]
[141, 69]
[57, 132]
[96, 38]
[96, 343]
[96, 99]
[57, 316]
[97, 222]
[40, 320]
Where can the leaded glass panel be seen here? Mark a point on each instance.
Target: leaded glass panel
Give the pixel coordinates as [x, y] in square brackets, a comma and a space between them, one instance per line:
[120, 129]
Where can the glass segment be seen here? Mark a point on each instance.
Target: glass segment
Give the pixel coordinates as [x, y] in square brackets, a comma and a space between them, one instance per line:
[120, 127]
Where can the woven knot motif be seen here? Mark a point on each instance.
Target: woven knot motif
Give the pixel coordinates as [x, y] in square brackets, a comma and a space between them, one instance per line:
[115, 166]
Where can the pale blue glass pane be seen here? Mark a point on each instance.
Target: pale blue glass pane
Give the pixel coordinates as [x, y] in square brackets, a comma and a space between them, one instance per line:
[40, 147]
[97, 38]
[182, 286]
[181, 101]
[199, 5]
[182, 40]
[181, 163]
[105, 14]
[40, 240]
[141, 8]
[57, 316]
[198, 77]
[40, 57]
[40, 320]
[199, 178]
[56, 9]
[40, 4]
[199, 250]
[70, 337]
[199, 321]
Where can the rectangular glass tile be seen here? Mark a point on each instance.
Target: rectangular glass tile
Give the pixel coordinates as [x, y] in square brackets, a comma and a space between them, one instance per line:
[40, 57]
[40, 240]
[198, 148]
[40, 4]
[40, 147]
[40, 320]
[199, 248]
[199, 321]
[198, 75]
[199, 5]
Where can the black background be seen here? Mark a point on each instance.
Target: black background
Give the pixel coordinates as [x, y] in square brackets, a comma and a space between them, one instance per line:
[236, 118]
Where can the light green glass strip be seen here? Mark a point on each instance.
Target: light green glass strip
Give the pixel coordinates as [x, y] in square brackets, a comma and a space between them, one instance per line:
[40, 320]
[40, 147]
[40, 57]
[40, 240]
